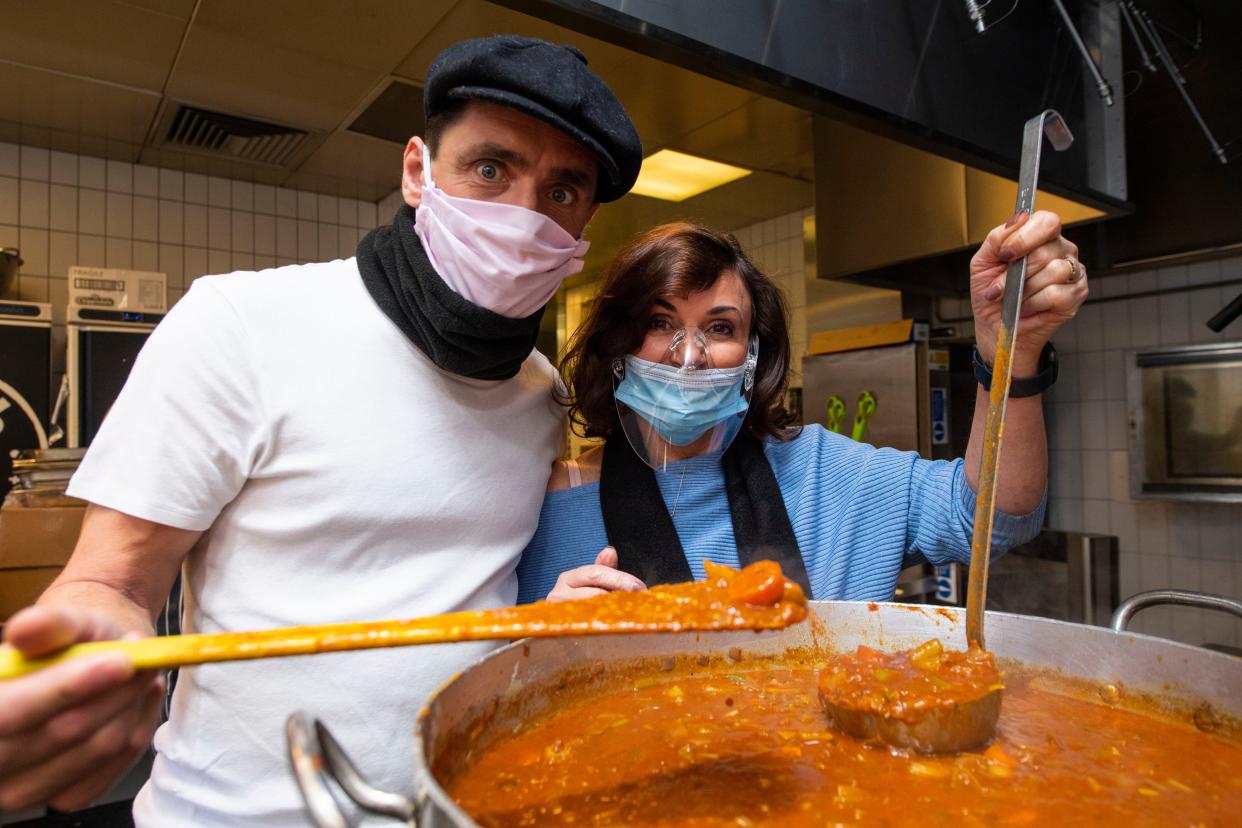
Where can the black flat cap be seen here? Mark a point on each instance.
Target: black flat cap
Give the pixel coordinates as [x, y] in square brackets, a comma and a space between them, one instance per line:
[549, 82]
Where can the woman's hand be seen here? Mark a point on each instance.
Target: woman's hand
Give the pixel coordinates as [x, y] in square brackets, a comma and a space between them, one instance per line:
[595, 579]
[69, 731]
[1056, 285]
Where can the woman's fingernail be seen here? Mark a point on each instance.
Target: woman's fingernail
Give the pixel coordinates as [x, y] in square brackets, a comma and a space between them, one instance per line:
[1005, 255]
[1014, 218]
[991, 293]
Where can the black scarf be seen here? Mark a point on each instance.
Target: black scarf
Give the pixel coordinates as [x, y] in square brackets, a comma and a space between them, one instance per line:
[456, 334]
[640, 529]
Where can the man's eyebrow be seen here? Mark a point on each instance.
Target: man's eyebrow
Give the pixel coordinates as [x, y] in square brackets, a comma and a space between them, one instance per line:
[487, 149]
[573, 176]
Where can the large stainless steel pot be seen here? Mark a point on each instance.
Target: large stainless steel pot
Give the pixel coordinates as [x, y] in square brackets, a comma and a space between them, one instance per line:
[519, 681]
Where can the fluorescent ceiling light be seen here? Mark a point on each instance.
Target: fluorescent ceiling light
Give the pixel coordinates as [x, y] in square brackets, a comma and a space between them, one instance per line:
[675, 176]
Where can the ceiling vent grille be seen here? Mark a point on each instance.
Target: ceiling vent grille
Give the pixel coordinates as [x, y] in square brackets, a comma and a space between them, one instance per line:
[231, 136]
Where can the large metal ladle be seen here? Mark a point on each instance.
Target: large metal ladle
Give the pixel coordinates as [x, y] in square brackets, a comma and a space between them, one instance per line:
[972, 723]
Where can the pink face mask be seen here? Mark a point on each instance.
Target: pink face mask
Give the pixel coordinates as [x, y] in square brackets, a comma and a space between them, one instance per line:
[502, 257]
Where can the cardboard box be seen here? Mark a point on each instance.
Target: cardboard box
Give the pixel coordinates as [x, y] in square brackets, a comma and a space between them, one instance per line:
[35, 544]
[38, 536]
[19, 588]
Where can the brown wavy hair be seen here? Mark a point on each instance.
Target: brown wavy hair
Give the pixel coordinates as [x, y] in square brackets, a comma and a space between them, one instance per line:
[680, 258]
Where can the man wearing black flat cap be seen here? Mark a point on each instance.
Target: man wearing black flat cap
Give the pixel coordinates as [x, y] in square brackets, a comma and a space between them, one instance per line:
[351, 440]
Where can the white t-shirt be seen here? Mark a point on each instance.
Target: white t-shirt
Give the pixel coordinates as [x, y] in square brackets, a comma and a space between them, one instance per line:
[340, 476]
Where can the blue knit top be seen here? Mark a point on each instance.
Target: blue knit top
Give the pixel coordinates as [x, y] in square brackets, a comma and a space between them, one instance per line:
[859, 514]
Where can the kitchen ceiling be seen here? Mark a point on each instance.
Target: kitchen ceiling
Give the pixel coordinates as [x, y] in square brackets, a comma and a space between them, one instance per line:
[103, 77]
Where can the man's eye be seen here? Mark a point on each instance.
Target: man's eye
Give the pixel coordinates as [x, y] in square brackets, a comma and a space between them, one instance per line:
[488, 171]
[563, 196]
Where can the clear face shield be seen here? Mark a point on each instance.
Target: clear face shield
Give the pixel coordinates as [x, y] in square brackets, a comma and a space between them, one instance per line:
[685, 405]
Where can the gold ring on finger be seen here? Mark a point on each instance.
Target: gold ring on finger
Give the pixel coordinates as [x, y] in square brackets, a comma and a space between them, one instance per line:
[1075, 270]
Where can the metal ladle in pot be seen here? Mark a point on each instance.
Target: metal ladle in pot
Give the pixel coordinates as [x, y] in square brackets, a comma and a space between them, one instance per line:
[967, 724]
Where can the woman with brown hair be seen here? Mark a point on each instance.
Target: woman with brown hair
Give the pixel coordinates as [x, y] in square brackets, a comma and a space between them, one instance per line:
[681, 366]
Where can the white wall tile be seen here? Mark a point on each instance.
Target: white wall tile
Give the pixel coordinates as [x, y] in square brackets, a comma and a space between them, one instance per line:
[92, 172]
[146, 256]
[1204, 303]
[92, 251]
[195, 264]
[10, 200]
[345, 244]
[218, 228]
[1117, 425]
[243, 195]
[366, 215]
[1171, 277]
[1095, 471]
[119, 253]
[172, 185]
[36, 163]
[286, 202]
[195, 188]
[195, 232]
[172, 262]
[219, 192]
[348, 212]
[327, 242]
[34, 203]
[1090, 369]
[265, 235]
[286, 238]
[92, 212]
[64, 168]
[1153, 530]
[1119, 476]
[34, 246]
[10, 160]
[264, 199]
[1144, 321]
[1095, 516]
[62, 253]
[1200, 273]
[1183, 522]
[1153, 571]
[1175, 319]
[120, 215]
[146, 181]
[308, 205]
[171, 221]
[1124, 524]
[63, 208]
[146, 219]
[120, 177]
[242, 238]
[242, 261]
[219, 261]
[1114, 376]
[1216, 535]
[264, 262]
[1116, 319]
[308, 241]
[327, 209]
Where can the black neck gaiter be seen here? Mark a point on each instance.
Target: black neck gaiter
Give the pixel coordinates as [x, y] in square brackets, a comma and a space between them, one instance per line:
[457, 335]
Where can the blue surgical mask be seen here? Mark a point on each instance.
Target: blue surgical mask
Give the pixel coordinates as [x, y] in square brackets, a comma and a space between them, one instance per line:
[684, 404]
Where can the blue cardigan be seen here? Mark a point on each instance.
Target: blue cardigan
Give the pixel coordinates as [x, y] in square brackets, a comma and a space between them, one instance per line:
[859, 514]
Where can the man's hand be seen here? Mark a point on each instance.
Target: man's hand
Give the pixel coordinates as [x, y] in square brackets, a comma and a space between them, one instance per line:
[68, 732]
[595, 579]
[1056, 285]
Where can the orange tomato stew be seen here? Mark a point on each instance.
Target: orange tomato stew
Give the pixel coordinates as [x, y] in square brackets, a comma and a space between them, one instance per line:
[728, 746]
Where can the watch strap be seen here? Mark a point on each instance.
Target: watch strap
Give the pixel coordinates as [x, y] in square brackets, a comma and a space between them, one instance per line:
[1020, 386]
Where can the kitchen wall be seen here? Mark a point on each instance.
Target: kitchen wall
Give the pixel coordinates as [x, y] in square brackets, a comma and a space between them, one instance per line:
[1163, 544]
[63, 209]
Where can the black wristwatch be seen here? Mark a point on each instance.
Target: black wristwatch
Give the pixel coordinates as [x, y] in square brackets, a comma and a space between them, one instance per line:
[1021, 386]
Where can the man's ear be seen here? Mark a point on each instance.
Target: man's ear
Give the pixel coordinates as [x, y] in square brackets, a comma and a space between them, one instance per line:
[412, 172]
